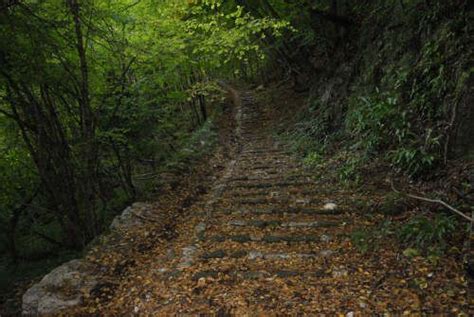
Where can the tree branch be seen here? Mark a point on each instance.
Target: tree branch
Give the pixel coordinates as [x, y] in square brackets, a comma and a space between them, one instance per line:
[437, 201]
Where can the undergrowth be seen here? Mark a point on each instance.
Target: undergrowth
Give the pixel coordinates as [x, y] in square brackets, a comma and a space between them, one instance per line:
[398, 107]
[401, 104]
[427, 235]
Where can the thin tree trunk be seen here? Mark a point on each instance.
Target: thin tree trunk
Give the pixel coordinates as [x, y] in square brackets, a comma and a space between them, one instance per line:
[202, 106]
[88, 185]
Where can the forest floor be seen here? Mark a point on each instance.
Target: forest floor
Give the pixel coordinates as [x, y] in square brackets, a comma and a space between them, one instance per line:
[270, 239]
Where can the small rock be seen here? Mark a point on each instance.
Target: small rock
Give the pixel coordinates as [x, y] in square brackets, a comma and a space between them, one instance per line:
[350, 314]
[302, 201]
[200, 227]
[238, 223]
[325, 238]
[339, 272]
[187, 258]
[330, 206]
[200, 230]
[327, 252]
[201, 282]
[255, 255]
[294, 224]
[170, 254]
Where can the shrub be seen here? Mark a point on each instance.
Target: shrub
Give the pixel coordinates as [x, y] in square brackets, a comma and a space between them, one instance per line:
[427, 234]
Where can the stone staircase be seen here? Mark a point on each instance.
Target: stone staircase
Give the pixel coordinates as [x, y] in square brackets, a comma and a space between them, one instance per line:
[265, 225]
[268, 239]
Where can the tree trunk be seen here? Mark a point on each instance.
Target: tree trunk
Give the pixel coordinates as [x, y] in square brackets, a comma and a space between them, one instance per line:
[89, 151]
[202, 107]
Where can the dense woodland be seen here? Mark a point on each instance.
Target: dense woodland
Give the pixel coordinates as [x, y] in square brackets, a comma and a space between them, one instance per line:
[94, 93]
[100, 99]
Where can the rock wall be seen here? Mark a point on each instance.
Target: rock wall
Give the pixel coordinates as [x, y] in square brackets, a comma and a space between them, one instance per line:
[67, 285]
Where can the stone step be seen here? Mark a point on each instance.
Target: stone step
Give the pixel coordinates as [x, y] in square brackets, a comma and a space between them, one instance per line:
[262, 150]
[292, 192]
[275, 194]
[267, 160]
[264, 167]
[270, 184]
[252, 275]
[274, 200]
[262, 145]
[282, 178]
[279, 223]
[264, 140]
[244, 238]
[258, 236]
[259, 172]
[257, 254]
[284, 211]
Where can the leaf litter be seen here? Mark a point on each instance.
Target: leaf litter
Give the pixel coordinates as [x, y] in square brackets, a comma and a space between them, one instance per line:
[142, 273]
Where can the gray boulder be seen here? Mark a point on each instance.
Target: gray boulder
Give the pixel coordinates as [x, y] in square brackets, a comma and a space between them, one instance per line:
[63, 287]
[130, 217]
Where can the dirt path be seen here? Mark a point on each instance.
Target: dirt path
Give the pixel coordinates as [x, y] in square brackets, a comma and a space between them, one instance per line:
[267, 240]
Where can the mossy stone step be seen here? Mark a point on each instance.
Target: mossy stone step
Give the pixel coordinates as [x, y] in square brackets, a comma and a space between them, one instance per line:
[252, 275]
[244, 238]
[277, 179]
[262, 150]
[270, 185]
[283, 211]
[260, 200]
[254, 254]
[278, 223]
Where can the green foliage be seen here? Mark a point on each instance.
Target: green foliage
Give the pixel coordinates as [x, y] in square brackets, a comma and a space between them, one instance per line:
[226, 37]
[380, 123]
[372, 120]
[349, 171]
[313, 159]
[428, 234]
[407, 79]
[361, 239]
[366, 240]
[420, 235]
[139, 99]
[199, 144]
[414, 161]
[308, 137]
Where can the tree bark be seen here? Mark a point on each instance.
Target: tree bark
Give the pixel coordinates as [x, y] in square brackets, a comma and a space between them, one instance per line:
[88, 185]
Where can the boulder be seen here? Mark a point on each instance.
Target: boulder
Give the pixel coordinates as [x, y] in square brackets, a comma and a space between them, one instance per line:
[130, 217]
[63, 287]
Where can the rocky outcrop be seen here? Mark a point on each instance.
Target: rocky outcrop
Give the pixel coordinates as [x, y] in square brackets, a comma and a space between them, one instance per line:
[63, 287]
[67, 285]
[133, 215]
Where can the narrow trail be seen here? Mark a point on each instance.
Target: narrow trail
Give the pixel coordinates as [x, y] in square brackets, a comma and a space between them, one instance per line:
[269, 239]
[264, 228]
